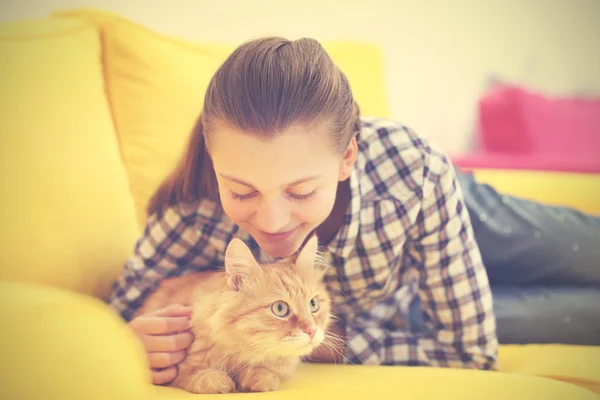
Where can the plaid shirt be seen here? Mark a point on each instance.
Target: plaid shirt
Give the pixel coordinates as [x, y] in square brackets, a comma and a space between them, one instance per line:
[406, 236]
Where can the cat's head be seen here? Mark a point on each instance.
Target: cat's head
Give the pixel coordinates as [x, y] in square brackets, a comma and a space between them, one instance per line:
[280, 309]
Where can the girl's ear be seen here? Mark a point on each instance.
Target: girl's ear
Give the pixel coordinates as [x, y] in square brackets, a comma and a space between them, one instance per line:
[348, 160]
[307, 255]
[240, 264]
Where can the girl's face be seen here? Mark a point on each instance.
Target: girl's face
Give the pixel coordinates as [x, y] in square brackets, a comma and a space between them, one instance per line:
[278, 190]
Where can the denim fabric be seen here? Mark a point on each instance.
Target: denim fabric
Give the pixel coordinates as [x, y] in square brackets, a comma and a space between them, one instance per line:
[547, 315]
[528, 243]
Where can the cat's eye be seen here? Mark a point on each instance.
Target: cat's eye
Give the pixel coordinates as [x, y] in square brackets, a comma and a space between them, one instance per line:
[280, 309]
[314, 304]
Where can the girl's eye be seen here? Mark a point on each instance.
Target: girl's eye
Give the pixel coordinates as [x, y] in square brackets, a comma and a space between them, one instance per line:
[241, 197]
[293, 196]
[314, 304]
[301, 197]
[280, 309]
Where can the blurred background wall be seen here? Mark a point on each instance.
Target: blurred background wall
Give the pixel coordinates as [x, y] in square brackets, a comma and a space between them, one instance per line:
[439, 54]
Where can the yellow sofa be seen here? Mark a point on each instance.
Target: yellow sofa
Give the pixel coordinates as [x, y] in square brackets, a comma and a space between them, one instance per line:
[93, 112]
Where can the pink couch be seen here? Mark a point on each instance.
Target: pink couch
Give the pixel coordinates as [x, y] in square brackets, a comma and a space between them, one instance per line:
[519, 129]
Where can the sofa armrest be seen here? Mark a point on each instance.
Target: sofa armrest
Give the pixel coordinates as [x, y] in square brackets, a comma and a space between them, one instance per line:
[58, 344]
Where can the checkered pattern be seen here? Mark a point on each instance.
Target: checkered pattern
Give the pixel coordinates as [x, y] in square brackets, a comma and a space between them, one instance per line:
[406, 236]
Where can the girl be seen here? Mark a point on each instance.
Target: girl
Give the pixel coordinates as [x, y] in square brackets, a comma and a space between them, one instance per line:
[280, 152]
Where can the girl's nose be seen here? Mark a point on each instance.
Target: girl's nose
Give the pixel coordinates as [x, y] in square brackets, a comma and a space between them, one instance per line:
[272, 216]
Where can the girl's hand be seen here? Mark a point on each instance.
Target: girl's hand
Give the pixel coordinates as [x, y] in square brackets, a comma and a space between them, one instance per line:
[165, 336]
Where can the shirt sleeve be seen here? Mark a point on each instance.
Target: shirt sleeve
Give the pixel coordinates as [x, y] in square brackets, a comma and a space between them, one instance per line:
[174, 242]
[451, 283]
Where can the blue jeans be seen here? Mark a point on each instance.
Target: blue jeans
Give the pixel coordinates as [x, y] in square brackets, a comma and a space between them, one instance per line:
[525, 243]
[543, 264]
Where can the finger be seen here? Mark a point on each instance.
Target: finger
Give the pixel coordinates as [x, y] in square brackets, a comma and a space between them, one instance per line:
[167, 343]
[160, 325]
[165, 360]
[160, 377]
[174, 310]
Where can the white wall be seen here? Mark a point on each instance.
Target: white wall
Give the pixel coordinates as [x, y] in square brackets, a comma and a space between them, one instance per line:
[439, 53]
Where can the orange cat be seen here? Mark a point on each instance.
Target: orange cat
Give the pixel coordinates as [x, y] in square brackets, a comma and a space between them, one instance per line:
[252, 322]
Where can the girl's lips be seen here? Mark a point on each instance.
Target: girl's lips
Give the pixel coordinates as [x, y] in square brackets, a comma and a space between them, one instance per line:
[276, 237]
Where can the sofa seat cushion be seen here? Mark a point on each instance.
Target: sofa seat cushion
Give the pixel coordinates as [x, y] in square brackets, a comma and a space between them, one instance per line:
[324, 382]
[63, 345]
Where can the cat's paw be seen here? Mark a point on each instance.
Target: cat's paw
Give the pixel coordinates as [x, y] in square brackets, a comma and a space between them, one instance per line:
[213, 382]
[259, 380]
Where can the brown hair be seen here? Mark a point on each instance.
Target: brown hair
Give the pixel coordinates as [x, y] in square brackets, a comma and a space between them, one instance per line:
[264, 87]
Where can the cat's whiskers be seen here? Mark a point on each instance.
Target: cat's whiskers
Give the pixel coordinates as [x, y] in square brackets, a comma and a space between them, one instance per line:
[330, 348]
[333, 336]
[333, 343]
[334, 289]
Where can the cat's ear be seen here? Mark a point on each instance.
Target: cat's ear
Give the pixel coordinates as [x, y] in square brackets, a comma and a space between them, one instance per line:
[308, 254]
[240, 264]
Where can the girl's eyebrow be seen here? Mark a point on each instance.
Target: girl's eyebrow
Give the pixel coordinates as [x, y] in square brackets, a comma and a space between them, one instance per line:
[295, 183]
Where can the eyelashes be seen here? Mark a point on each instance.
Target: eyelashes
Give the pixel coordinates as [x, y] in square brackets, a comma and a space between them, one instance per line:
[302, 197]
[293, 196]
[241, 197]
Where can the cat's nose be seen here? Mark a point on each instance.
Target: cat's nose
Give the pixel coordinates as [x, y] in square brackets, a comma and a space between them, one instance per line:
[310, 330]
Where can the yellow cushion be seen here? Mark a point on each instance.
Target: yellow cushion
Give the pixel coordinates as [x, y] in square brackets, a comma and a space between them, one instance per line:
[394, 383]
[574, 364]
[156, 86]
[580, 191]
[61, 345]
[66, 210]
[522, 369]
[56, 344]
